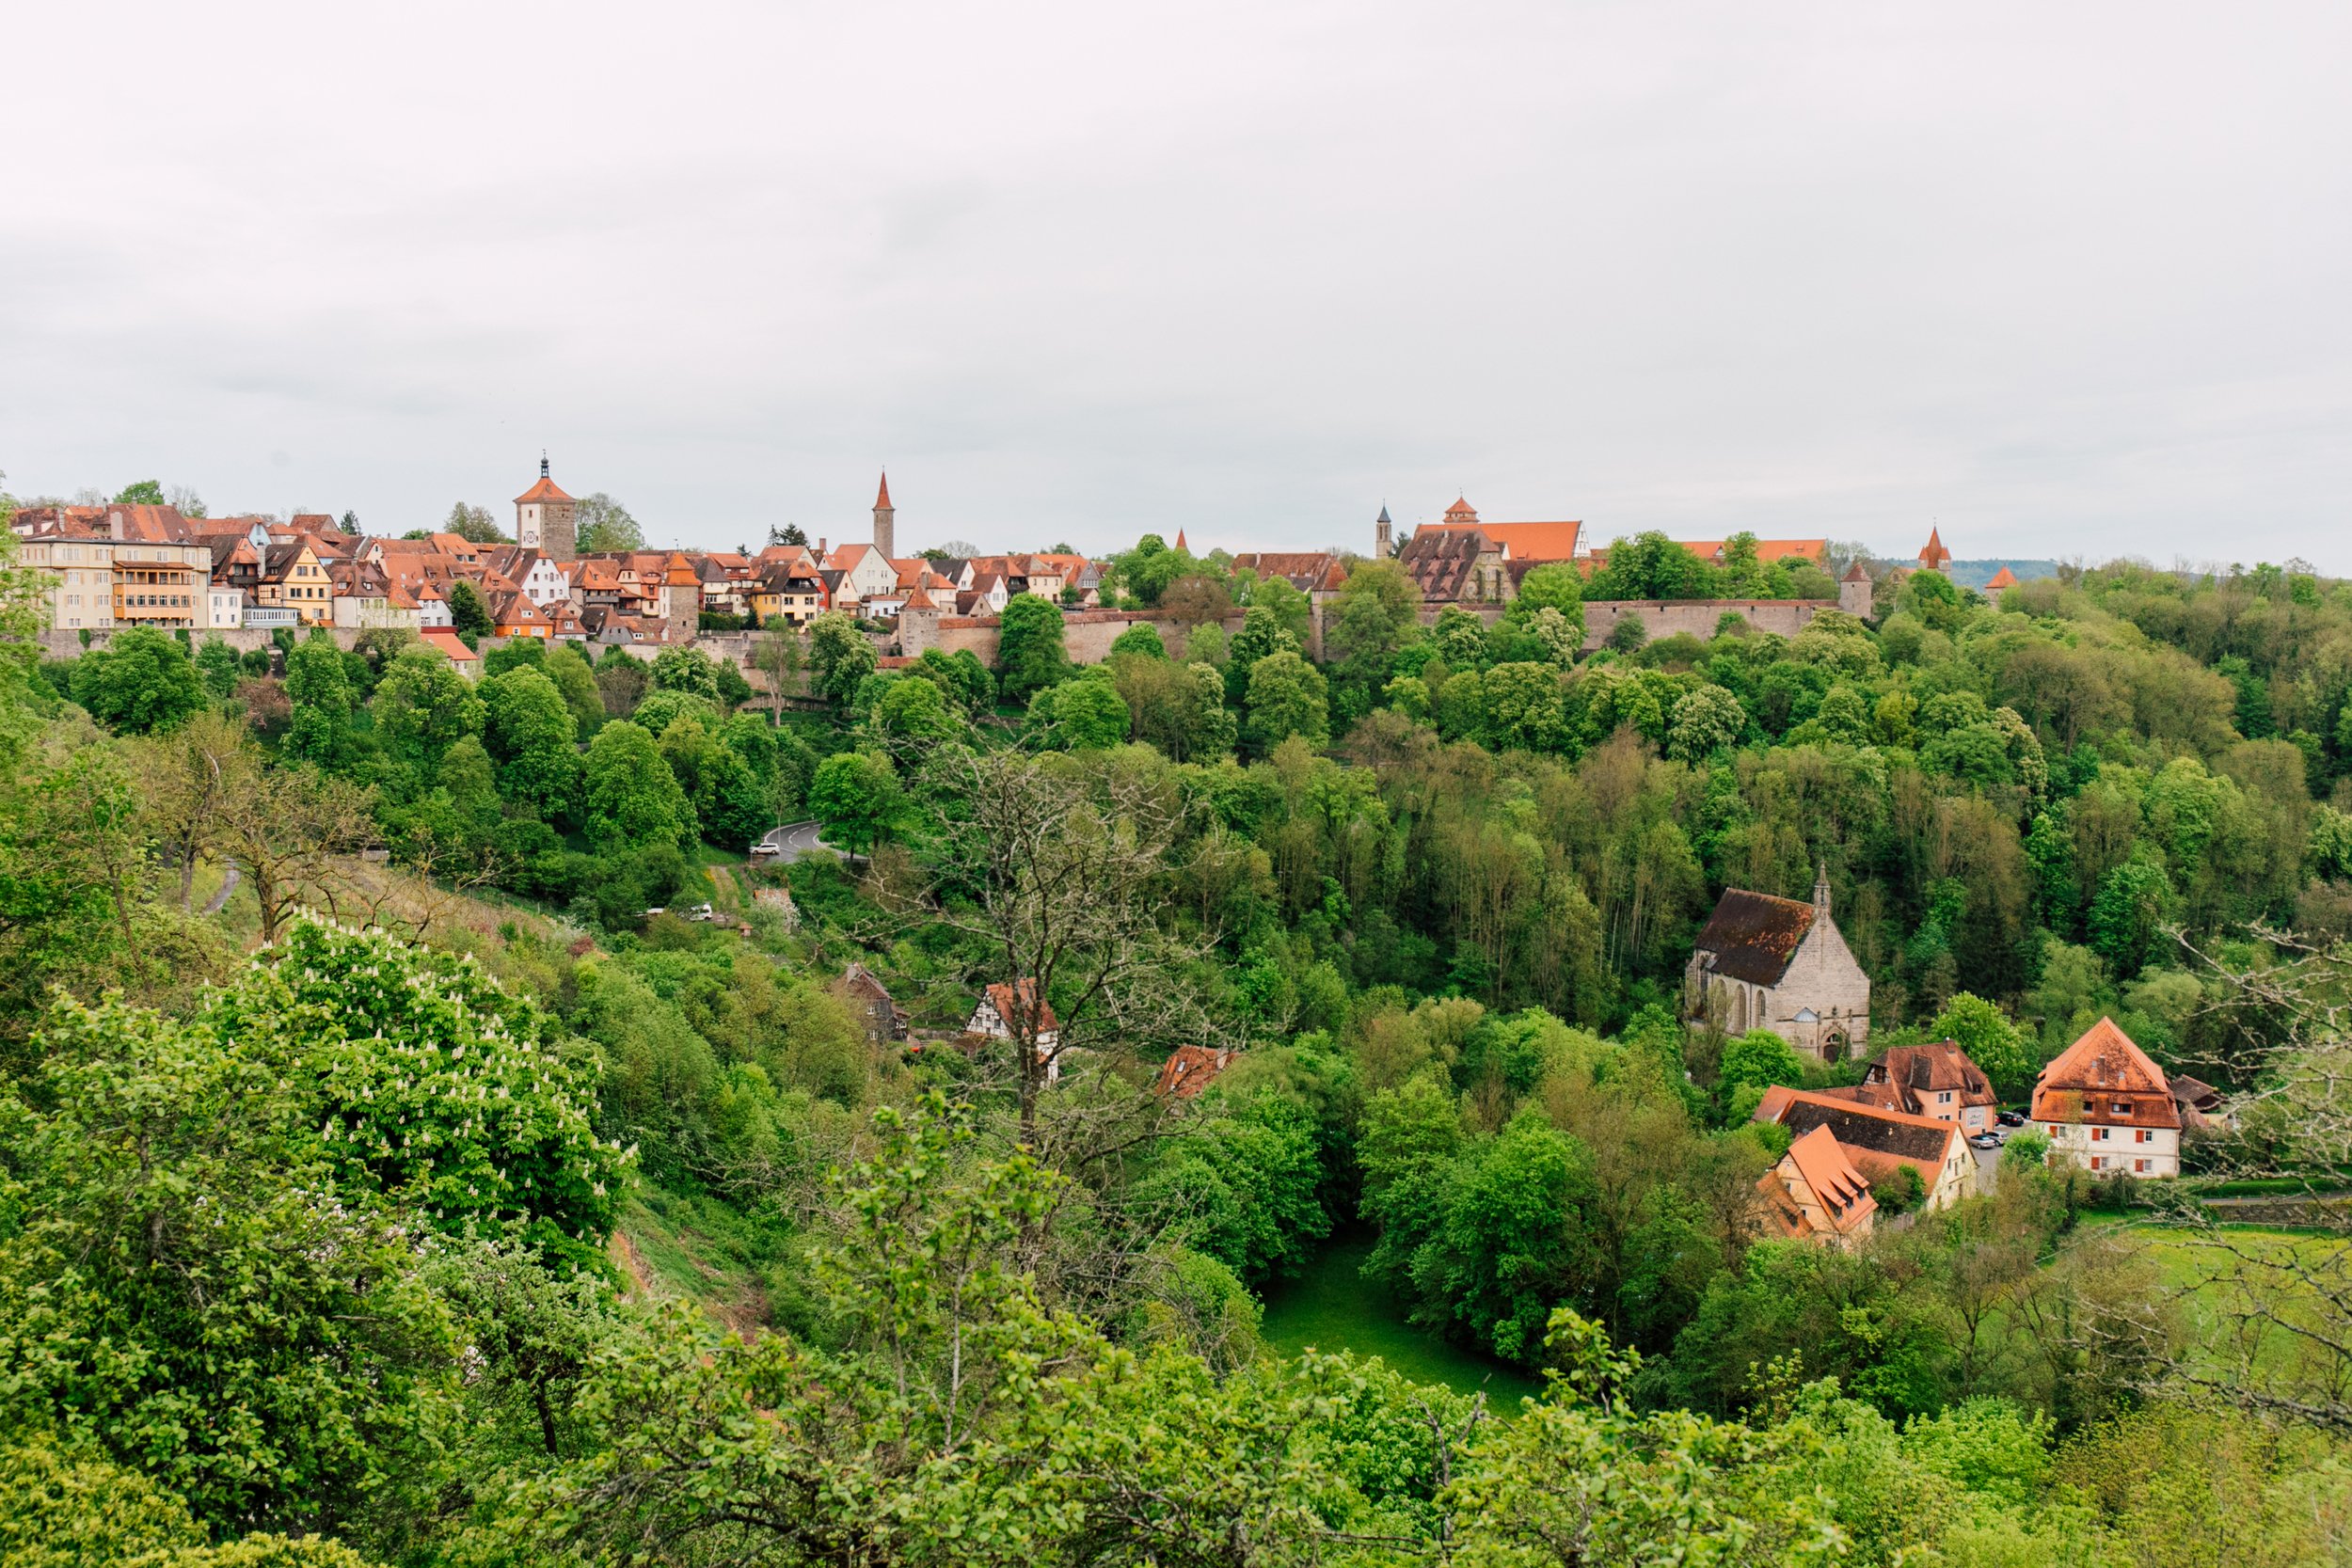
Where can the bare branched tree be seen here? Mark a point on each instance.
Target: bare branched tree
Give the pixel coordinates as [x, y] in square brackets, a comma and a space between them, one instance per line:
[185, 778]
[1066, 874]
[290, 829]
[2278, 1307]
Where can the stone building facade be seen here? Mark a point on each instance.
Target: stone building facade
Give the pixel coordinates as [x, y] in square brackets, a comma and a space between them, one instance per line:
[1766, 962]
[546, 519]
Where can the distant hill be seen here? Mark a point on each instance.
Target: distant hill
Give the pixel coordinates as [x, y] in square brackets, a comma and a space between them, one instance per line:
[1976, 573]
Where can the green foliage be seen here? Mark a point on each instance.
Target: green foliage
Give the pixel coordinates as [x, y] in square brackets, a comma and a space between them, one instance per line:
[1246, 1189]
[856, 800]
[528, 729]
[321, 698]
[181, 1282]
[688, 670]
[1081, 715]
[468, 616]
[1287, 696]
[1141, 640]
[139, 683]
[1029, 653]
[839, 657]
[630, 798]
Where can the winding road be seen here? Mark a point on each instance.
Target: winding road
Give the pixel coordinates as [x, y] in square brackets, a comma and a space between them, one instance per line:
[791, 841]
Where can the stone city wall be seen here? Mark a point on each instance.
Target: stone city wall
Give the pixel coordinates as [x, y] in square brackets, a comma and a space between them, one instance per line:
[1670, 617]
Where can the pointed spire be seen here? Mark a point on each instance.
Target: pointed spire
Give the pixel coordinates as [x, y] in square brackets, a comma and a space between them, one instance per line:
[1180, 538]
[1384, 513]
[1820, 889]
[881, 501]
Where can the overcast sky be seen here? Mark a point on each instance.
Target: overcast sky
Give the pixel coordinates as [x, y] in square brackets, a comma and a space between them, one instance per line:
[2066, 280]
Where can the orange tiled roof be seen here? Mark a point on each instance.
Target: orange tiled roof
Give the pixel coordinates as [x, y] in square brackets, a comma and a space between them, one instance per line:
[2003, 579]
[1191, 1068]
[1000, 996]
[1836, 1184]
[2103, 1068]
[544, 491]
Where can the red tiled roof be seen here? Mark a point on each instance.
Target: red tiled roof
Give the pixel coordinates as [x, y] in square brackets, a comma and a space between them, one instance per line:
[2096, 1073]
[1000, 996]
[448, 643]
[2003, 579]
[1191, 1068]
[1915, 1072]
[882, 499]
[1828, 1172]
[1536, 541]
[544, 491]
[1875, 1137]
[1932, 555]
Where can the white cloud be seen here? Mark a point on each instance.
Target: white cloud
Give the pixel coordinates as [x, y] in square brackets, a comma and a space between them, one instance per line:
[2065, 280]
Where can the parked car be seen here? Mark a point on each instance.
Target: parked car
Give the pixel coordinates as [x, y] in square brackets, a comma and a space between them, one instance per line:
[2010, 1119]
[1985, 1140]
[700, 911]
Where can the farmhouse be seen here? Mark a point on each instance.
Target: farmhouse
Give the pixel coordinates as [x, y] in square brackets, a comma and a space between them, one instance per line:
[2108, 1108]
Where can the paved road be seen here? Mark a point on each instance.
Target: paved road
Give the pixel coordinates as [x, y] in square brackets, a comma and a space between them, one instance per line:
[793, 840]
[1988, 1166]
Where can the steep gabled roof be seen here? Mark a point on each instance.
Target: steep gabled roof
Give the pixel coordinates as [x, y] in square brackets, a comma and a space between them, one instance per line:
[1002, 997]
[1917, 1070]
[1751, 936]
[2003, 579]
[1441, 560]
[1190, 1068]
[1833, 1178]
[1869, 1132]
[2091, 1076]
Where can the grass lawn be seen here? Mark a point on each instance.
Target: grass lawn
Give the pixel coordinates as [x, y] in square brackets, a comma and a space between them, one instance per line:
[1336, 1309]
[2214, 1273]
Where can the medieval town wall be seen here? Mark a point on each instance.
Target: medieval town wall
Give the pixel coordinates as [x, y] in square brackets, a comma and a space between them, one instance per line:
[1671, 617]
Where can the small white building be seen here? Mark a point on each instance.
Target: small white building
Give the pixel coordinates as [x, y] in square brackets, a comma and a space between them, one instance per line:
[1005, 1011]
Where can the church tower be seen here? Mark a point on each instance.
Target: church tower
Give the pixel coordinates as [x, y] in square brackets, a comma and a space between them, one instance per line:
[545, 518]
[1381, 550]
[885, 523]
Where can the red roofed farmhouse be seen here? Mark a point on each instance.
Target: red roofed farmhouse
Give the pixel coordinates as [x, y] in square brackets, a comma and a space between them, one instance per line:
[2108, 1108]
[1766, 962]
[1879, 1143]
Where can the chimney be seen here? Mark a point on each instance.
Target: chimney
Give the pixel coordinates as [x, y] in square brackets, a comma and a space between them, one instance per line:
[821, 551]
[1380, 534]
[114, 525]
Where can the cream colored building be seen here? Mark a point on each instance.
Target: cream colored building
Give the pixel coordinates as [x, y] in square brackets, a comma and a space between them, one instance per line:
[111, 566]
[2104, 1105]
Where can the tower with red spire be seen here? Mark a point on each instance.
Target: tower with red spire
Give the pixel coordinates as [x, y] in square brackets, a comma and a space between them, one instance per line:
[1933, 557]
[1180, 538]
[886, 521]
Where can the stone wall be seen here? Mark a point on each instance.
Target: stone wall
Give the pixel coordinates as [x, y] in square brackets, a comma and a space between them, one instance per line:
[66, 642]
[1087, 634]
[1669, 617]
